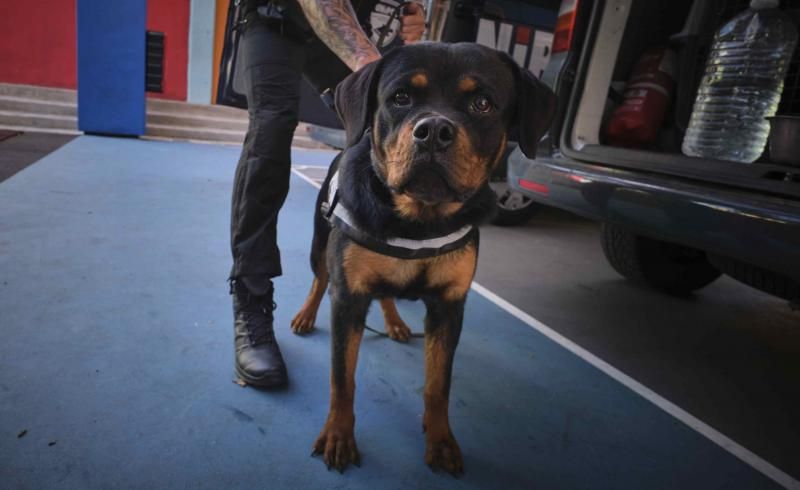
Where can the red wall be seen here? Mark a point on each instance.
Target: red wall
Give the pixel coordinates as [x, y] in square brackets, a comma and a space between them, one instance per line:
[38, 43]
[172, 18]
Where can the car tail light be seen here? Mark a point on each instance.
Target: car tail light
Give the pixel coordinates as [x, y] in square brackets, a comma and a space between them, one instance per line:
[534, 186]
[565, 25]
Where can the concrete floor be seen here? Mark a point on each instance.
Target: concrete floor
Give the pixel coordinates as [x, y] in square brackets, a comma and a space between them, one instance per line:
[117, 356]
[729, 354]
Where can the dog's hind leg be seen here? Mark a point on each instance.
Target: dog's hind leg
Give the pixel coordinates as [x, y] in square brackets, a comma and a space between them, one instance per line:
[396, 328]
[303, 321]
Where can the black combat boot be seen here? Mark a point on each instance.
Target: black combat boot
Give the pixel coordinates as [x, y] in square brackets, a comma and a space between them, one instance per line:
[258, 357]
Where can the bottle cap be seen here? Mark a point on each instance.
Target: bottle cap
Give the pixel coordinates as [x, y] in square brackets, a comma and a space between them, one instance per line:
[764, 4]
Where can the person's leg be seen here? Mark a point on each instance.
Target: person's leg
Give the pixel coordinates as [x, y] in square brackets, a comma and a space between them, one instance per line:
[273, 67]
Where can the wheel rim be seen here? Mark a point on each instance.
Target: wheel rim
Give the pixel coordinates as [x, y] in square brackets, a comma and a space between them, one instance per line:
[509, 199]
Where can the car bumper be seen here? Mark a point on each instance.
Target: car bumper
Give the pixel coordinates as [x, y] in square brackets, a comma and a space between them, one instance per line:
[758, 229]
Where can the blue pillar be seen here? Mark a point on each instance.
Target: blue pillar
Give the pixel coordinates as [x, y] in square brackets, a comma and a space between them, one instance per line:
[111, 66]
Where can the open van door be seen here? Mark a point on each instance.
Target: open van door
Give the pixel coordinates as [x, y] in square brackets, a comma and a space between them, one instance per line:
[671, 221]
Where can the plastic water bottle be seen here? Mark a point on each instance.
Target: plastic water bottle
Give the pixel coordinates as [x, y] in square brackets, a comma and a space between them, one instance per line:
[742, 85]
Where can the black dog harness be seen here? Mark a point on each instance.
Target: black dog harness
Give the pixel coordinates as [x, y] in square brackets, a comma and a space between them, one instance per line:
[402, 248]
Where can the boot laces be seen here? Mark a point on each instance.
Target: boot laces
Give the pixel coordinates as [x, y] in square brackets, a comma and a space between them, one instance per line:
[259, 319]
[257, 313]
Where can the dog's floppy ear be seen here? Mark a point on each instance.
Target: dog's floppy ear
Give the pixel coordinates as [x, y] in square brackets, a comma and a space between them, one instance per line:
[355, 100]
[535, 107]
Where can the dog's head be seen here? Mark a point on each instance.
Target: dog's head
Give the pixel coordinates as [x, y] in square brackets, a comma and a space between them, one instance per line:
[440, 117]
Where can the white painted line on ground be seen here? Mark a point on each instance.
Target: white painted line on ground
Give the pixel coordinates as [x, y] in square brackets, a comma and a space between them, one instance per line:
[704, 429]
[332, 151]
[682, 415]
[311, 167]
[300, 174]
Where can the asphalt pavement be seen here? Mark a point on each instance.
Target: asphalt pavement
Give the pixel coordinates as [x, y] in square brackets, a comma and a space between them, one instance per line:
[116, 365]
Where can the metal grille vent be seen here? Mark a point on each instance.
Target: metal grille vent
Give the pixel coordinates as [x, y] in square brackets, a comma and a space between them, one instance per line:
[154, 71]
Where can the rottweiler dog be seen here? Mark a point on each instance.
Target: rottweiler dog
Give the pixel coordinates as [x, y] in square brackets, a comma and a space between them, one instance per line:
[425, 127]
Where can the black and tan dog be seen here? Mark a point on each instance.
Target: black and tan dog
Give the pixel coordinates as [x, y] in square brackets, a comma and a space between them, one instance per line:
[426, 125]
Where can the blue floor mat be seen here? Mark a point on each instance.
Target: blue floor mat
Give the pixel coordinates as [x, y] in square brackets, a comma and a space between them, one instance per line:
[117, 356]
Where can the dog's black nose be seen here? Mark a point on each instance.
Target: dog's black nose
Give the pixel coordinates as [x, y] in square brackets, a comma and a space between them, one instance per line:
[435, 132]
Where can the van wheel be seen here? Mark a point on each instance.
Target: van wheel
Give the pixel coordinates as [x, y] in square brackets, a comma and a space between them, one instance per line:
[513, 208]
[764, 280]
[668, 267]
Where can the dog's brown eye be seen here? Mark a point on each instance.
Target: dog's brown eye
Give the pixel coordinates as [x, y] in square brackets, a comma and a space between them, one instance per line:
[482, 104]
[402, 99]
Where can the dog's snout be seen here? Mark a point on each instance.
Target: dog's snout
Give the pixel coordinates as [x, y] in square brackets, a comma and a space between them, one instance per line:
[435, 132]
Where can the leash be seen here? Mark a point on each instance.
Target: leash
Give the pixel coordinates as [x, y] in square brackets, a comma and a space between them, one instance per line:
[416, 335]
[386, 28]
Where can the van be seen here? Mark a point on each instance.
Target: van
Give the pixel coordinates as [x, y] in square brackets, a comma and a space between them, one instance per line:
[670, 221]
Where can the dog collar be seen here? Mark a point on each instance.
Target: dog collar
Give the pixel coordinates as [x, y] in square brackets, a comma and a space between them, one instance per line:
[403, 248]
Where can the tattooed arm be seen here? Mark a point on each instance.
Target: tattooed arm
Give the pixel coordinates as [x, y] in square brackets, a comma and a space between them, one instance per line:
[335, 23]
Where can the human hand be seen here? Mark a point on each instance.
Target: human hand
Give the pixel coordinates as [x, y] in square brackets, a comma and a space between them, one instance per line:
[413, 23]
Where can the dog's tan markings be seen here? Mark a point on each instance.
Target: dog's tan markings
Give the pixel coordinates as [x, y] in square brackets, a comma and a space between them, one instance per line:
[449, 208]
[365, 269]
[500, 150]
[420, 80]
[412, 209]
[350, 359]
[303, 321]
[408, 207]
[395, 327]
[453, 272]
[467, 84]
[337, 440]
[441, 448]
[398, 150]
[471, 170]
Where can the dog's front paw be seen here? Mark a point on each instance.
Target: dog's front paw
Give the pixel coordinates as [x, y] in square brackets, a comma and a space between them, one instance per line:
[443, 452]
[398, 330]
[338, 447]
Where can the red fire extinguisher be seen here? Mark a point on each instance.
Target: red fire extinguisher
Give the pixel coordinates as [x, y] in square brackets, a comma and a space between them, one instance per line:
[635, 123]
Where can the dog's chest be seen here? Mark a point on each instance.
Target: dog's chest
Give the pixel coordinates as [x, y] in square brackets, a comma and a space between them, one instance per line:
[366, 271]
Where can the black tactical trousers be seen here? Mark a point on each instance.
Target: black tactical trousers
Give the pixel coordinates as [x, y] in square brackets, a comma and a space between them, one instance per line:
[274, 64]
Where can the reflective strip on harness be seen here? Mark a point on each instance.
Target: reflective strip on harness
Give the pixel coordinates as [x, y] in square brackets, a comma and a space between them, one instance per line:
[403, 248]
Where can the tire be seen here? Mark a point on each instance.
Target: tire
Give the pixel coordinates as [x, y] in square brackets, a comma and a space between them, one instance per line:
[668, 267]
[767, 281]
[513, 208]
